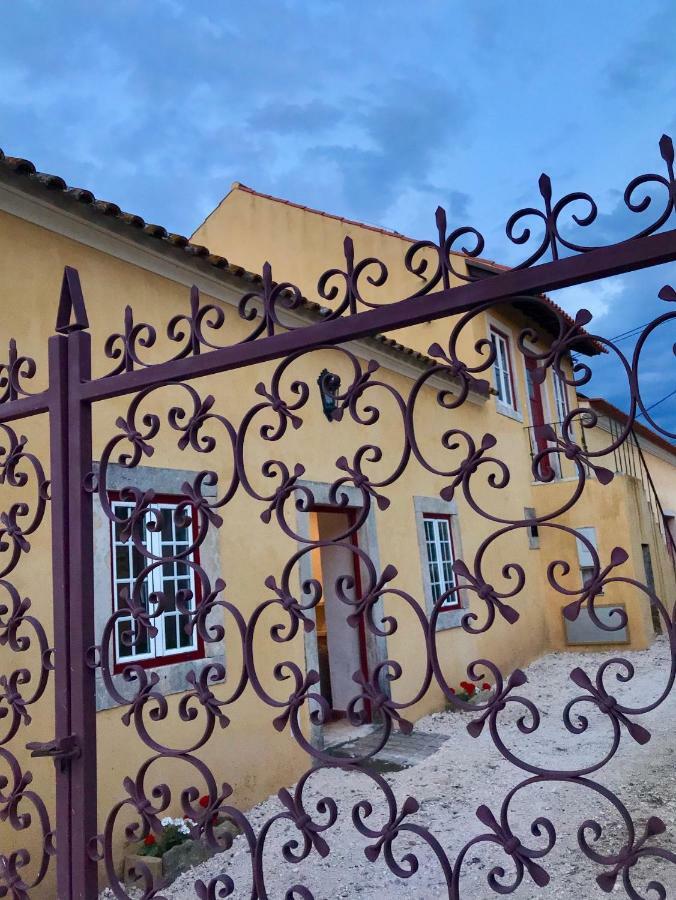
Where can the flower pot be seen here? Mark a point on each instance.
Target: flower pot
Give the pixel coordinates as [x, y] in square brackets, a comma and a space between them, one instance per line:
[165, 869]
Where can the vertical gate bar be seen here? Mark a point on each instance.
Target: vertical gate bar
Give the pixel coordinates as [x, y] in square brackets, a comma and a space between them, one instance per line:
[82, 675]
[58, 443]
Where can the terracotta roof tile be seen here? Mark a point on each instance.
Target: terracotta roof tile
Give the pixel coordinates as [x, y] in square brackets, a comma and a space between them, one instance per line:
[24, 168]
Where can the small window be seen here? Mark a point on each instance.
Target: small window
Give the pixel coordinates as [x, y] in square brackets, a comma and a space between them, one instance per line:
[502, 369]
[533, 530]
[561, 397]
[439, 548]
[171, 542]
[584, 557]
[587, 573]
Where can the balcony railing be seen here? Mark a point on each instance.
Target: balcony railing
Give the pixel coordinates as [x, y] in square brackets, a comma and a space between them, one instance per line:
[556, 462]
[626, 459]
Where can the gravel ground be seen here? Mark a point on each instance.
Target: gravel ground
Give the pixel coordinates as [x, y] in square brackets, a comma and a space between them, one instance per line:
[467, 772]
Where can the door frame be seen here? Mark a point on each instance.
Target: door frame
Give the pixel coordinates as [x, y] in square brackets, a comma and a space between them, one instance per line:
[375, 645]
[351, 513]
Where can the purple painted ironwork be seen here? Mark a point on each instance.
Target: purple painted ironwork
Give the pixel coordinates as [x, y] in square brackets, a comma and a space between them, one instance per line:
[196, 425]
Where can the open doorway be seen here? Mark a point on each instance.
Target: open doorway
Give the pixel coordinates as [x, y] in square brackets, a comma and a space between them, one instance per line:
[341, 646]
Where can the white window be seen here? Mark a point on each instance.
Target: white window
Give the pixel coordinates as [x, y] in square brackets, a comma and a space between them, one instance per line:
[561, 397]
[170, 542]
[502, 369]
[584, 556]
[439, 547]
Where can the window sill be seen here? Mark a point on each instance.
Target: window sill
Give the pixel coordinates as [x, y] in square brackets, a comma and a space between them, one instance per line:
[508, 411]
[451, 619]
[172, 680]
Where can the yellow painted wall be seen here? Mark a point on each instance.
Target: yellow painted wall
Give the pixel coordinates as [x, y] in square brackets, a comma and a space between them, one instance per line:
[250, 754]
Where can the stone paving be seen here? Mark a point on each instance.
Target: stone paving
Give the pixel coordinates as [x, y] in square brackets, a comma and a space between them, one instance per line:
[401, 751]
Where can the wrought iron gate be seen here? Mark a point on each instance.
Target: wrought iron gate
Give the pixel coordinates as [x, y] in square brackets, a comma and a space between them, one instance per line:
[71, 840]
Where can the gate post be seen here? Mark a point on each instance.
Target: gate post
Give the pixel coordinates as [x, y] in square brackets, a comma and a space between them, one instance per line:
[74, 748]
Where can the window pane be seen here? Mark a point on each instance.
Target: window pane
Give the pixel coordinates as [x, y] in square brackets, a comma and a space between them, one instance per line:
[126, 630]
[122, 562]
[123, 628]
[185, 640]
[140, 562]
[170, 632]
[169, 591]
[167, 525]
[122, 599]
[121, 510]
[183, 533]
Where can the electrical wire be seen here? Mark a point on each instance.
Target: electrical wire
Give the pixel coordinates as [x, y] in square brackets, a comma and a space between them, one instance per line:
[657, 402]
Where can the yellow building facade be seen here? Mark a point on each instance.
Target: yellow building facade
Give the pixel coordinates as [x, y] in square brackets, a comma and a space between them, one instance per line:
[122, 261]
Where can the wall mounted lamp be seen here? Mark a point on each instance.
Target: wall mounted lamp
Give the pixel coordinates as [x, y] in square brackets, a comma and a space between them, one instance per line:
[329, 385]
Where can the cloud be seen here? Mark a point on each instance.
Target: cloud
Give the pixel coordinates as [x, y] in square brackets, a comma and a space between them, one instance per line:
[286, 118]
[388, 148]
[601, 298]
[645, 62]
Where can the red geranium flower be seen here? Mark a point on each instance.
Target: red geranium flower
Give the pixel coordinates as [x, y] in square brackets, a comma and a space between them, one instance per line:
[149, 840]
[485, 686]
[204, 801]
[468, 687]
[453, 690]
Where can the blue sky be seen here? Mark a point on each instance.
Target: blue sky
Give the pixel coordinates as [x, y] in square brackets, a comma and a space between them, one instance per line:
[377, 111]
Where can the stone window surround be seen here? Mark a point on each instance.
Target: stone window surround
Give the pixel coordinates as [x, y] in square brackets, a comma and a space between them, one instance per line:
[172, 676]
[451, 618]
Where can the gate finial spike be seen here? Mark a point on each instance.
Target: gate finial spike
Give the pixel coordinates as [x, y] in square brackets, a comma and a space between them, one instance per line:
[72, 314]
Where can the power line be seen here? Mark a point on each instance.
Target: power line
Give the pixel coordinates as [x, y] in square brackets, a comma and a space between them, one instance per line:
[657, 402]
[630, 333]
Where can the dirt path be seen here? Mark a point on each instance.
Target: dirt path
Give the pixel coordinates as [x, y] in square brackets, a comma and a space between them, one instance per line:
[466, 772]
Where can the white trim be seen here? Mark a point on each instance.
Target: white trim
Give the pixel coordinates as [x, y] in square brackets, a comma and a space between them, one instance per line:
[515, 412]
[155, 580]
[449, 618]
[562, 386]
[440, 567]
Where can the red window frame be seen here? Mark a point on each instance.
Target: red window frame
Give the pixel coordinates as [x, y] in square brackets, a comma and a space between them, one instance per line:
[455, 604]
[156, 662]
[512, 382]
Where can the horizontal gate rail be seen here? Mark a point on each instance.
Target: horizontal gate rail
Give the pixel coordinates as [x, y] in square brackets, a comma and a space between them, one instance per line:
[593, 265]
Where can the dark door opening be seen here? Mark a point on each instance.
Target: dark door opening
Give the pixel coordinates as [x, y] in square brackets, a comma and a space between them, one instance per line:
[650, 582]
[537, 416]
[341, 647]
